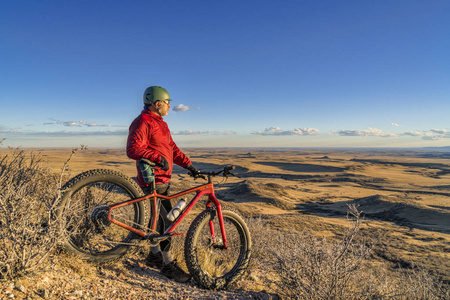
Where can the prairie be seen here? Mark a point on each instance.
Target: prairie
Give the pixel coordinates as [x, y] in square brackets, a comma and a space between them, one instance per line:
[402, 195]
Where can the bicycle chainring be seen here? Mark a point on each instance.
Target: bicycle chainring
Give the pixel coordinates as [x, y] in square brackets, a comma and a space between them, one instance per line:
[152, 242]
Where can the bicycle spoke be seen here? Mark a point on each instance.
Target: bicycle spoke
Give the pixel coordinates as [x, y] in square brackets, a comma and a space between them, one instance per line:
[87, 223]
[211, 265]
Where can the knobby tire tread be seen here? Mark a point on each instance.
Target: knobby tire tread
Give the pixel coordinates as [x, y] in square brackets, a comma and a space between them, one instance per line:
[112, 177]
[200, 277]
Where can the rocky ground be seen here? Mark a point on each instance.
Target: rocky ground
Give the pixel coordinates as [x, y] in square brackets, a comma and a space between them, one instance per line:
[71, 278]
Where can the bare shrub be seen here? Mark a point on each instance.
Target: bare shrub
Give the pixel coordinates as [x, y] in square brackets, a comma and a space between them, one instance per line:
[314, 268]
[417, 283]
[300, 265]
[27, 231]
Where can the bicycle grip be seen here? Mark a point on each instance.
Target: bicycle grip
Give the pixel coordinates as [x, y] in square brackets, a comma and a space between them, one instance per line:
[229, 168]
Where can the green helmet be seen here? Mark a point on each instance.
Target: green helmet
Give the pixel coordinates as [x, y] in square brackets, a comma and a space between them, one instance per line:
[155, 93]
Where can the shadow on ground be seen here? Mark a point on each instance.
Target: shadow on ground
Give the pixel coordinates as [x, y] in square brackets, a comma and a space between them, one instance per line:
[303, 168]
[385, 208]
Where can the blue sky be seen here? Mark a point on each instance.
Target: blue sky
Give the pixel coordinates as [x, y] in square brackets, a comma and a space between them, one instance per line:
[240, 73]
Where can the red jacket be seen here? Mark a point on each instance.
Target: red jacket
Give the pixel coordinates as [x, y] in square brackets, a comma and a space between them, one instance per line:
[149, 137]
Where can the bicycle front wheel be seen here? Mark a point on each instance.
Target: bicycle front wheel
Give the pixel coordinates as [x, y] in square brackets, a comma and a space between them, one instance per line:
[211, 265]
[84, 210]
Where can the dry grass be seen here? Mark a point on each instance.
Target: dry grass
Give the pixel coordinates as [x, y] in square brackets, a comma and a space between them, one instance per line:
[299, 265]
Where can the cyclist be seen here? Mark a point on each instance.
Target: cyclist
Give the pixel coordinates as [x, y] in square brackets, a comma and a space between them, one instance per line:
[149, 137]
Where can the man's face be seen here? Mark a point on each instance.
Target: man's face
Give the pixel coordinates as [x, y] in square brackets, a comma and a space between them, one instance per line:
[163, 108]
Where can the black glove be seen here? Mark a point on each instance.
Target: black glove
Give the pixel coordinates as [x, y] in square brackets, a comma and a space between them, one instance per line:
[193, 171]
[163, 164]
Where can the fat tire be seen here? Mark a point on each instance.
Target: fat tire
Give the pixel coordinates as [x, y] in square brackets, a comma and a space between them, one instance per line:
[201, 277]
[133, 191]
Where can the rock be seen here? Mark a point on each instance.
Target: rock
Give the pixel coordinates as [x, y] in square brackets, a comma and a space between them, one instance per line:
[9, 293]
[44, 293]
[20, 287]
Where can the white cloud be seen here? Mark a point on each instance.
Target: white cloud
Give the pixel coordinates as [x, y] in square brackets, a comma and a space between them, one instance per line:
[395, 124]
[414, 133]
[433, 134]
[194, 132]
[189, 132]
[86, 133]
[431, 137]
[180, 108]
[80, 131]
[65, 133]
[80, 123]
[71, 123]
[93, 124]
[279, 131]
[8, 130]
[441, 131]
[367, 132]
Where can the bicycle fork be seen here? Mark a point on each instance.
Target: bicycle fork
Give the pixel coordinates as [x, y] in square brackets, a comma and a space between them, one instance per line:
[213, 199]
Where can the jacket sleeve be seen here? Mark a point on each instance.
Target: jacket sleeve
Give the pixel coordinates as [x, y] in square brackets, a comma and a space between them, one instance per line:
[179, 157]
[137, 143]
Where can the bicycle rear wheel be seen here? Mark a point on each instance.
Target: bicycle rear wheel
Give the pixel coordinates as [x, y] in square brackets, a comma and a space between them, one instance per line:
[84, 210]
[212, 266]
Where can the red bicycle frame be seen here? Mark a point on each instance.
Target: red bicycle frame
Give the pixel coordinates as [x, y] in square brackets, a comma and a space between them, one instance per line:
[206, 189]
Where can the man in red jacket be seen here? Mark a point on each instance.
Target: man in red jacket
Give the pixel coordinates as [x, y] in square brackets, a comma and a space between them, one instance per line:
[149, 137]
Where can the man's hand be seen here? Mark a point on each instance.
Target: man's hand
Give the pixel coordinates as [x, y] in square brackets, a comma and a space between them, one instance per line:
[193, 171]
[163, 164]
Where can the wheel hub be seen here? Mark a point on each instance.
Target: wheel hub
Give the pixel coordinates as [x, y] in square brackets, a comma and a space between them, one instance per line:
[99, 217]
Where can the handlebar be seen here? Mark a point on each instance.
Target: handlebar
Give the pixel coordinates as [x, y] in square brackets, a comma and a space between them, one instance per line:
[226, 171]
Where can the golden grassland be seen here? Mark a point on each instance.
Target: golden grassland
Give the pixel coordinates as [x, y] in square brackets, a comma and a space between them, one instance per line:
[403, 194]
